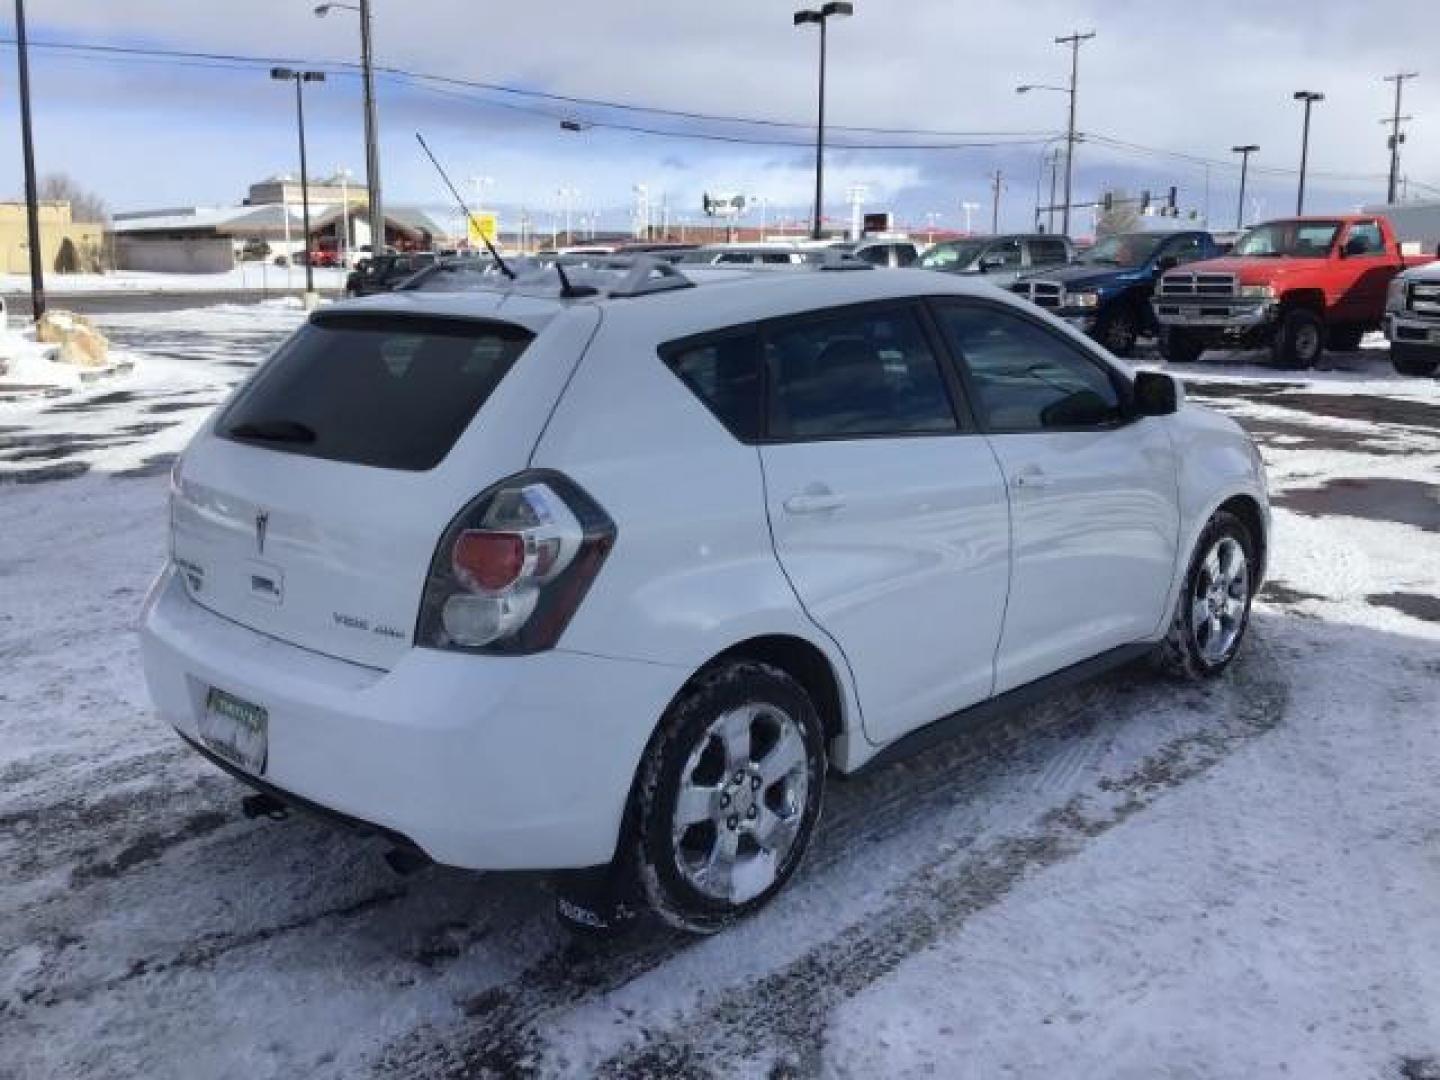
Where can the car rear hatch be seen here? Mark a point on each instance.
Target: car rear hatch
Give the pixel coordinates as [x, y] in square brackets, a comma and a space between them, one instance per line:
[309, 508]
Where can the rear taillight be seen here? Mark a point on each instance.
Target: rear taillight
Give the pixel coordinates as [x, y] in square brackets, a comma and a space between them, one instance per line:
[512, 568]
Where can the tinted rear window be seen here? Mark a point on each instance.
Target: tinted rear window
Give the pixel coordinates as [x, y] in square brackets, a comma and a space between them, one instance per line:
[390, 391]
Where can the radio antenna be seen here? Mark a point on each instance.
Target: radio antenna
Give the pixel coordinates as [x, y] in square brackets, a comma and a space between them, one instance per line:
[469, 217]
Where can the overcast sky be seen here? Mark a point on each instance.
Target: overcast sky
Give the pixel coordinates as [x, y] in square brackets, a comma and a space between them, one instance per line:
[1194, 77]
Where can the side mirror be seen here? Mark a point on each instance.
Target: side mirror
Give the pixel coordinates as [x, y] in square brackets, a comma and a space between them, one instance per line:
[1168, 262]
[1155, 394]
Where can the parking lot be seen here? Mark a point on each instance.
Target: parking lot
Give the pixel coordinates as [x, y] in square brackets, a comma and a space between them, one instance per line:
[1069, 889]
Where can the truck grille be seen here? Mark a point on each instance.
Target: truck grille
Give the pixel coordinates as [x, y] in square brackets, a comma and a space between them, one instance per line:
[1045, 294]
[1425, 299]
[1184, 284]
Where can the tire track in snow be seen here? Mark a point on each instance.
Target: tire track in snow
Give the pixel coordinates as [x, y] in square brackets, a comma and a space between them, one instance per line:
[502, 1033]
[785, 1013]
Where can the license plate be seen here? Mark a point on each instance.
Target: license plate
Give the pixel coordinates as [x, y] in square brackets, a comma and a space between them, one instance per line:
[236, 730]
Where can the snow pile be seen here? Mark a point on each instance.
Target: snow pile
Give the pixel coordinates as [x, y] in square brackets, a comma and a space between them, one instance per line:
[244, 278]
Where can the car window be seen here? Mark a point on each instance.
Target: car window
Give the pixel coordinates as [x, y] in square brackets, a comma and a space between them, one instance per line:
[732, 257]
[1047, 252]
[1025, 377]
[1008, 250]
[390, 391]
[776, 258]
[1186, 249]
[876, 254]
[724, 373]
[1364, 239]
[858, 373]
[906, 255]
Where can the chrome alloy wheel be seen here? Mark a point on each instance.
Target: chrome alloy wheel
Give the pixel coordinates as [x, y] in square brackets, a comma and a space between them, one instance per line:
[740, 803]
[1222, 588]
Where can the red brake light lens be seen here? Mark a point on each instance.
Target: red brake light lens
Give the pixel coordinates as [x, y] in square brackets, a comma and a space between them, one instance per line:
[488, 561]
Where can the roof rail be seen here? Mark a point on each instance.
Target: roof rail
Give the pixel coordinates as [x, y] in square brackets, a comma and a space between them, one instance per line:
[646, 275]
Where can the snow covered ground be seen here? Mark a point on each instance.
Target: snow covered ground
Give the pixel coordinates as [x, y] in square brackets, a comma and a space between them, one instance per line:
[1133, 880]
[244, 277]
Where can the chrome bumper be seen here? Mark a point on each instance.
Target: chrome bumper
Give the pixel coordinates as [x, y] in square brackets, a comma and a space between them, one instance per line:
[1408, 330]
[1219, 313]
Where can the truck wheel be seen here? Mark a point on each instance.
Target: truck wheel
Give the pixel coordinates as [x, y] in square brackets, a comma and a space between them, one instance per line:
[1346, 338]
[1413, 360]
[1180, 346]
[730, 790]
[1117, 330]
[1299, 340]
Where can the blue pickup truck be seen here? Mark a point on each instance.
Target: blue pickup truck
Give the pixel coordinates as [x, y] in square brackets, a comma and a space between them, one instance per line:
[1106, 291]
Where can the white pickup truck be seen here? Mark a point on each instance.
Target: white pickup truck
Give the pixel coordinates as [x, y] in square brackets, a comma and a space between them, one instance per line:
[1412, 320]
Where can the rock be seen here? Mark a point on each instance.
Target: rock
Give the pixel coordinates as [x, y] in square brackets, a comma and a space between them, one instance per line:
[80, 343]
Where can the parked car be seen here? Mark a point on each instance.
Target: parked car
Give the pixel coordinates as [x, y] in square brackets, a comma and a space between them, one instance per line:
[1001, 258]
[1106, 292]
[1292, 286]
[382, 273]
[443, 565]
[753, 255]
[1412, 320]
[879, 251]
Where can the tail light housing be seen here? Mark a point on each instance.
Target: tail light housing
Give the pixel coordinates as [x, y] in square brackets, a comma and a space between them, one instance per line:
[511, 569]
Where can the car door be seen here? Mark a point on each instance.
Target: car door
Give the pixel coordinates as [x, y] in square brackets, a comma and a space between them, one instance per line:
[1093, 497]
[1363, 272]
[887, 509]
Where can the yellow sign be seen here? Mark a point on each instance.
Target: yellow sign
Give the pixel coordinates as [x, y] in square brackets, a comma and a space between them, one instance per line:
[484, 227]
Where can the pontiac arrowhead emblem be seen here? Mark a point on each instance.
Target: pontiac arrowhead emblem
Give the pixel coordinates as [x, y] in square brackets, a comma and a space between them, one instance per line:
[262, 522]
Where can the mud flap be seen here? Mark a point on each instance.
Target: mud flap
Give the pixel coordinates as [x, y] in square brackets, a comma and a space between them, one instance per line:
[597, 901]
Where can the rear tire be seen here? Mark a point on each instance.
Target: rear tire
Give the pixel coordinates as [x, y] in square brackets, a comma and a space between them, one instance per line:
[1213, 609]
[729, 793]
[1180, 346]
[1299, 340]
[1409, 360]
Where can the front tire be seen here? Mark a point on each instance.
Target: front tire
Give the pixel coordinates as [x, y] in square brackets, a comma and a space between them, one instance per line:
[1180, 346]
[1213, 610]
[1299, 340]
[729, 794]
[1409, 360]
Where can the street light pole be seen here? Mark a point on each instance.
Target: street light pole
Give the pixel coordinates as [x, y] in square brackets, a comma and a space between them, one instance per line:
[1244, 152]
[1395, 137]
[372, 125]
[32, 201]
[300, 78]
[1309, 97]
[821, 16]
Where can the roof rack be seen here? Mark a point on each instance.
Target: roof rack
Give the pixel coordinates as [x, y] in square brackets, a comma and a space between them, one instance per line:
[650, 275]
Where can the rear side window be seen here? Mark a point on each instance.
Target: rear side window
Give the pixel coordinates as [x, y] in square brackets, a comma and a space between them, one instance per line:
[869, 372]
[390, 391]
[724, 373]
[1047, 252]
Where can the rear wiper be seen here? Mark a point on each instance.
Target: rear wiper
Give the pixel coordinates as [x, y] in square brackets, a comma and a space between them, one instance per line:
[280, 431]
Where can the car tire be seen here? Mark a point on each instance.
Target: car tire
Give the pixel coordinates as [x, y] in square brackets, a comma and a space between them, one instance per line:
[728, 795]
[1118, 329]
[1409, 360]
[1299, 340]
[1345, 338]
[1212, 612]
[1180, 346]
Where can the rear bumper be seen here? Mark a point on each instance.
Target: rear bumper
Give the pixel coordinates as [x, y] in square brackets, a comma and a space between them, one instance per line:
[487, 763]
[1218, 314]
[1411, 331]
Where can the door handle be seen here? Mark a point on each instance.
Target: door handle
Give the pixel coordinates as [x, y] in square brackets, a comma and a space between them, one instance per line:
[1031, 479]
[813, 502]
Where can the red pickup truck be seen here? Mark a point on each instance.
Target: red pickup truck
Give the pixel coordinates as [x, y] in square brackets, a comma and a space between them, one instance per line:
[1295, 286]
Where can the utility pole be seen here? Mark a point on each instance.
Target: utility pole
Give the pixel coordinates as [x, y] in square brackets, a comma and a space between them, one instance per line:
[1396, 137]
[969, 208]
[300, 78]
[1309, 97]
[32, 201]
[997, 181]
[1073, 40]
[1244, 152]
